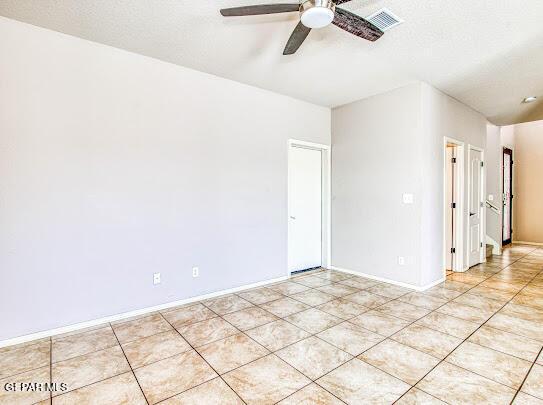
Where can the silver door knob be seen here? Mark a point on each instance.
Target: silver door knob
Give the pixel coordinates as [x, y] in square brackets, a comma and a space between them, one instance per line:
[291, 217]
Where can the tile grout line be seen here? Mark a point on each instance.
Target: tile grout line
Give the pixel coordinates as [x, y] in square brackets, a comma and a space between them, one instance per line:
[202, 357]
[129, 365]
[526, 376]
[444, 359]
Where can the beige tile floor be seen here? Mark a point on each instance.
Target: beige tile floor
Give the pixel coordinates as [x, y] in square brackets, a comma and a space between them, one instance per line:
[322, 337]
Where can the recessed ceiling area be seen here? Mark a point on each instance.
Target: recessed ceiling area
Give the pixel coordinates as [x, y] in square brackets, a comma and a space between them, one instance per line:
[487, 54]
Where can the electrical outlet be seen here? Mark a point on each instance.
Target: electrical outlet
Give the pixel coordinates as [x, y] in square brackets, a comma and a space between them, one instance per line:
[401, 260]
[408, 198]
[156, 278]
[195, 272]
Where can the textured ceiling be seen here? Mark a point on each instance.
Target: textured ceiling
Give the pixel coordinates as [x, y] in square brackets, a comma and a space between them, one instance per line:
[485, 53]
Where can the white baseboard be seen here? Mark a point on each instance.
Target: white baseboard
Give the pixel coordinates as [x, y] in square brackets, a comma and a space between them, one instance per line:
[519, 242]
[386, 280]
[124, 315]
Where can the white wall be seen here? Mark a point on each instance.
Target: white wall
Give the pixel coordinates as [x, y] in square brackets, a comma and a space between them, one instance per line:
[114, 166]
[385, 146]
[376, 154]
[494, 182]
[443, 117]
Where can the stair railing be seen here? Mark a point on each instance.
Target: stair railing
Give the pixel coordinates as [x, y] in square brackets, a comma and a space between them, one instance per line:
[494, 209]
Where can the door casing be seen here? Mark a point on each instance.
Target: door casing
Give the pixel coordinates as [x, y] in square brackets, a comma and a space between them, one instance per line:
[482, 226]
[507, 151]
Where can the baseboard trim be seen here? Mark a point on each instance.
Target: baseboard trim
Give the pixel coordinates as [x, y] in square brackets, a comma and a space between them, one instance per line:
[386, 280]
[519, 242]
[129, 314]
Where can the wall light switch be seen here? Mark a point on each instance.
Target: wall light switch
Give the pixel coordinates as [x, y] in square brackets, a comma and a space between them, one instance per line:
[195, 272]
[491, 197]
[401, 260]
[156, 278]
[408, 198]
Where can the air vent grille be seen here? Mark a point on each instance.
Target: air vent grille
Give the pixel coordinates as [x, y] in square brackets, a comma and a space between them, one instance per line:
[384, 19]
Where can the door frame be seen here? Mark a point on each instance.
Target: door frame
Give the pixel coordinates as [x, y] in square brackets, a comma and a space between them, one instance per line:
[482, 231]
[504, 149]
[326, 188]
[458, 217]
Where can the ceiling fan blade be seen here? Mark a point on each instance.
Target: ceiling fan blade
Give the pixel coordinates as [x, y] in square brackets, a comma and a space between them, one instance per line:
[260, 9]
[356, 25]
[298, 36]
[337, 2]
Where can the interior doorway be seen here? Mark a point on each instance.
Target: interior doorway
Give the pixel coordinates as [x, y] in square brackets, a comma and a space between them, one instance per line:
[507, 212]
[476, 207]
[308, 206]
[453, 205]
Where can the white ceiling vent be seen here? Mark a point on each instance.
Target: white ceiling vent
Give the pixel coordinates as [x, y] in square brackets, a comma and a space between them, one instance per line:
[384, 19]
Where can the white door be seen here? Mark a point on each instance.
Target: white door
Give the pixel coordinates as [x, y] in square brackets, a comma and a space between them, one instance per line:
[475, 207]
[305, 208]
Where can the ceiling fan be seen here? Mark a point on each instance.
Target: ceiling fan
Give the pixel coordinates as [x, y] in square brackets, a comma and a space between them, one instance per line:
[313, 14]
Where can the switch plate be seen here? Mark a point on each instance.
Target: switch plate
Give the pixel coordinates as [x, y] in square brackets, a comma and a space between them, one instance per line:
[195, 272]
[156, 278]
[491, 197]
[408, 198]
[401, 260]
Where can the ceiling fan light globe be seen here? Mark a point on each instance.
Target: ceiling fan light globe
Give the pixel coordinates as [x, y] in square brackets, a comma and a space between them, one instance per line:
[317, 17]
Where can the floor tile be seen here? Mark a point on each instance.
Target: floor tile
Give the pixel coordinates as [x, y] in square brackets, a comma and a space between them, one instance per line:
[121, 389]
[343, 309]
[312, 281]
[311, 394]
[423, 300]
[313, 297]
[442, 292]
[534, 383]
[517, 326]
[497, 366]
[284, 307]
[214, 392]
[187, 315]
[529, 301]
[448, 324]
[540, 359]
[359, 282]
[427, 340]
[455, 285]
[313, 357]
[229, 353]
[477, 301]
[265, 381]
[417, 397]
[465, 312]
[367, 299]
[8, 397]
[140, 328]
[173, 375]
[357, 382]
[153, 348]
[90, 368]
[15, 360]
[388, 290]
[401, 361]
[522, 312]
[227, 304]
[82, 343]
[201, 333]
[497, 295]
[334, 276]
[525, 399]
[276, 335]
[350, 338]
[456, 385]
[289, 288]
[505, 342]
[403, 310]
[313, 320]
[337, 290]
[260, 295]
[500, 285]
[380, 323]
[249, 318]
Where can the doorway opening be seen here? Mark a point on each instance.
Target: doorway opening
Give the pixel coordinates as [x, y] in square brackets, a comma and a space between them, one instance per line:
[507, 184]
[453, 204]
[308, 206]
[476, 219]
